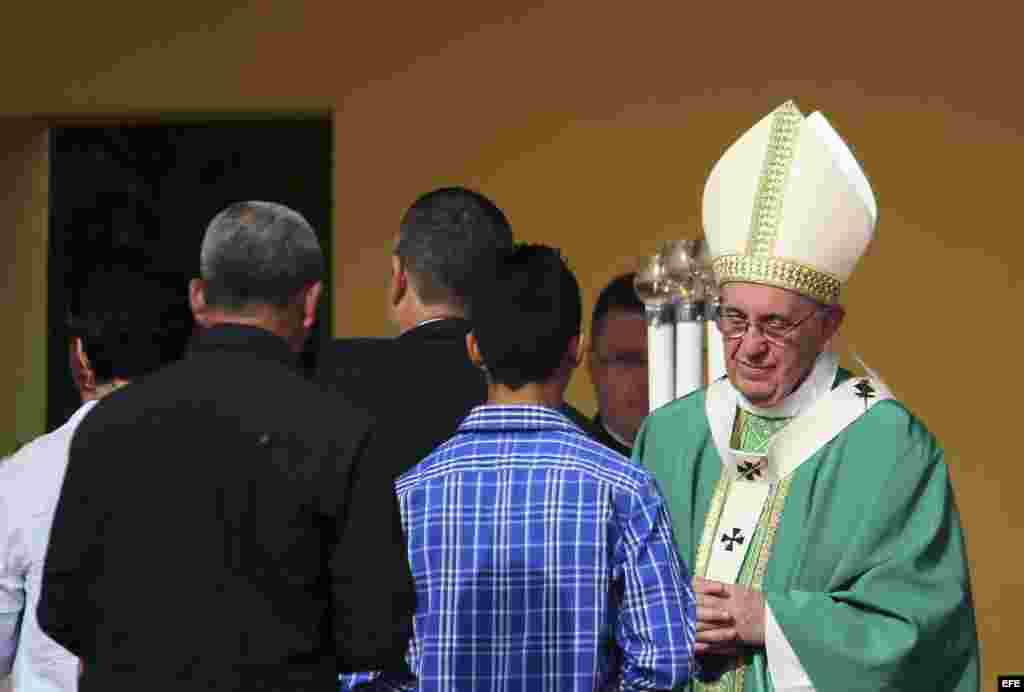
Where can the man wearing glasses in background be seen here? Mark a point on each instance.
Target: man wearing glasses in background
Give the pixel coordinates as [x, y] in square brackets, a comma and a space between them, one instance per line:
[618, 364]
[816, 511]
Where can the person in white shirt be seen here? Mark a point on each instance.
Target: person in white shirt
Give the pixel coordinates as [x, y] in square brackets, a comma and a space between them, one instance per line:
[126, 325]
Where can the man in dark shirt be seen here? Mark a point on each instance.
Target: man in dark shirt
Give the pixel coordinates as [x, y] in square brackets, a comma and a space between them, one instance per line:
[223, 524]
[421, 384]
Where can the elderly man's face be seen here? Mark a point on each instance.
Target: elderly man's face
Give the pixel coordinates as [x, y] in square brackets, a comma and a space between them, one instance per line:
[766, 372]
[618, 368]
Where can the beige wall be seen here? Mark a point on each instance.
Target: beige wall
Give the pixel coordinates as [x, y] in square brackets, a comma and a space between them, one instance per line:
[594, 126]
[24, 170]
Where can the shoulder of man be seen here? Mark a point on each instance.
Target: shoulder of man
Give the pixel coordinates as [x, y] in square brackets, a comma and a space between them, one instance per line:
[354, 365]
[339, 352]
[609, 465]
[40, 458]
[25, 474]
[894, 432]
[887, 425]
[30, 456]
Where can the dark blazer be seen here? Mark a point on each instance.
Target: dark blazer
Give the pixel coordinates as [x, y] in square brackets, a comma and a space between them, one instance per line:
[603, 436]
[221, 527]
[419, 385]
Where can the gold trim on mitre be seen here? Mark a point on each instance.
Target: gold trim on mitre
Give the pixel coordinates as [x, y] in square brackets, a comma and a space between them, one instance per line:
[775, 271]
[771, 187]
[788, 205]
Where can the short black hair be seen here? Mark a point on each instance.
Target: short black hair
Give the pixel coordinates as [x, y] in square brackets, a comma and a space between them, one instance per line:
[442, 238]
[525, 308]
[131, 322]
[619, 294]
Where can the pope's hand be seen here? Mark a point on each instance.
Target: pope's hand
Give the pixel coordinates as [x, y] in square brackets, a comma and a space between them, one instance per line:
[729, 617]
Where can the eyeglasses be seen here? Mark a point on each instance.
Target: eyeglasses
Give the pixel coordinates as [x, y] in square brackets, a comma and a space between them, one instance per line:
[775, 331]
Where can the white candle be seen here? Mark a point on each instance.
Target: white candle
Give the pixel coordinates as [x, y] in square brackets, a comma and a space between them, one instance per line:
[661, 337]
[689, 357]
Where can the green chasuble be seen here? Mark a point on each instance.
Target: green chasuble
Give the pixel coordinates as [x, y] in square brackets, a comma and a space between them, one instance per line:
[859, 552]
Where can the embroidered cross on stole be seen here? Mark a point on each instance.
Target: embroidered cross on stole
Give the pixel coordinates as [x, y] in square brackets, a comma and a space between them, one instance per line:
[751, 435]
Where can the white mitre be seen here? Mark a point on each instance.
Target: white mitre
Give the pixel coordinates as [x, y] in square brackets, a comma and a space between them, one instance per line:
[788, 205]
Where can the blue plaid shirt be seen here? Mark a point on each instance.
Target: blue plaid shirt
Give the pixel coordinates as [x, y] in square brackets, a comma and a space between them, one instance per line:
[542, 561]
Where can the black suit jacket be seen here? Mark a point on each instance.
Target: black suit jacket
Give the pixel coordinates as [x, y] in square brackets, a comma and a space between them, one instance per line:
[221, 527]
[419, 385]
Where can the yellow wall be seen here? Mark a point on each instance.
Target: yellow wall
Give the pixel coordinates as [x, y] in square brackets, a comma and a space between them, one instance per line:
[594, 126]
[24, 169]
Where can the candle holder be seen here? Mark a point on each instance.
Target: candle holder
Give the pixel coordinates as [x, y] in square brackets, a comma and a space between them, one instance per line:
[657, 291]
[681, 259]
[680, 293]
[712, 306]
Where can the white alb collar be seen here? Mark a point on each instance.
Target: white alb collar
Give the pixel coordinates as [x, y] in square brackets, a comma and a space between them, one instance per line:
[818, 383]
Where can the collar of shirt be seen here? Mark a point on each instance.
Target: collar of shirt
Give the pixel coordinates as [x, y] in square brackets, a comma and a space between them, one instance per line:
[79, 414]
[430, 321]
[442, 327]
[244, 338]
[505, 418]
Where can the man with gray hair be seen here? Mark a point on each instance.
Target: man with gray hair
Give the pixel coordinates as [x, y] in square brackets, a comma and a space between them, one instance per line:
[215, 516]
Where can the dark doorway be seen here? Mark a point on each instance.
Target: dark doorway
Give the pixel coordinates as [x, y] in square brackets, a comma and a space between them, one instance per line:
[147, 191]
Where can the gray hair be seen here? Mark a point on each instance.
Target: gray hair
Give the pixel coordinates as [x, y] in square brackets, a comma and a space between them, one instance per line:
[258, 253]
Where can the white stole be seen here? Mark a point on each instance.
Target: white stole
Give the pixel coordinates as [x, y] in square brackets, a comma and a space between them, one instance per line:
[819, 414]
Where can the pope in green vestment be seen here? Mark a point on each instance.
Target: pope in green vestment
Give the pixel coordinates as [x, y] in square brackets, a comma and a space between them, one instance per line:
[866, 574]
[814, 509]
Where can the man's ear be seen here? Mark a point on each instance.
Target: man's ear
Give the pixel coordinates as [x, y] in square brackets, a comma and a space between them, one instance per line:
[577, 350]
[473, 349]
[310, 299]
[82, 373]
[399, 281]
[197, 299]
[592, 360]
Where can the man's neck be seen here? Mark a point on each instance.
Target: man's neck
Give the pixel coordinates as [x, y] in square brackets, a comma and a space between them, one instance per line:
[271, 322]
[103, 390]
[530, 394]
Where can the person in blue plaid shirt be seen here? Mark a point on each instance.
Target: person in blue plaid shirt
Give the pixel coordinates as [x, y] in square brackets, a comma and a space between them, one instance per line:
[542, 559]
